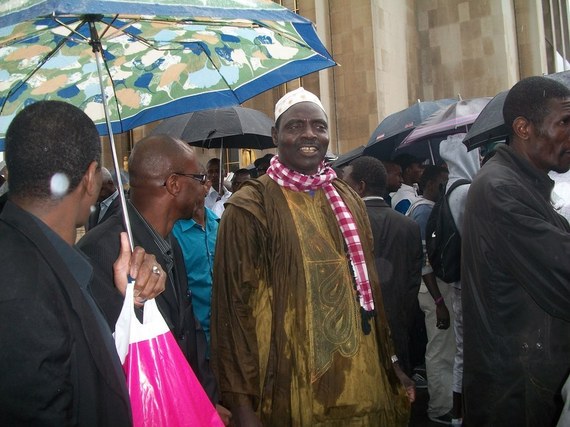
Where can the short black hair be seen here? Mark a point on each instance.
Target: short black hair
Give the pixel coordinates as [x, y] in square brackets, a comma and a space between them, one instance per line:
[241, 171]
[46, 138]
[372, 172]
[405, 160]
[529, 98]
[263, 160]
[430, 173]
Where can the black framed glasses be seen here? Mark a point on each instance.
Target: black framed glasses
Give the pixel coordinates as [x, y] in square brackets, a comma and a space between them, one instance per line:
[200, 177]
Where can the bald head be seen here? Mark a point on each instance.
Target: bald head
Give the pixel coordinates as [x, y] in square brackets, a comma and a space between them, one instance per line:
[105, 174]
[155, 157]
[107, 184]
[165, 181]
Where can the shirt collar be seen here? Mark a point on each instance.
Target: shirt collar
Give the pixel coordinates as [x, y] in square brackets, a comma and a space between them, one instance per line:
[107, 202]
[187, 224]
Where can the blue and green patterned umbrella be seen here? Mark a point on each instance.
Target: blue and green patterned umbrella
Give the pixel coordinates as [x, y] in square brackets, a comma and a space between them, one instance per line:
[151, 61]
[130, 62]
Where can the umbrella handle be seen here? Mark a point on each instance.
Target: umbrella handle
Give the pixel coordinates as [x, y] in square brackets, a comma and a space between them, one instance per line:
[96, 44]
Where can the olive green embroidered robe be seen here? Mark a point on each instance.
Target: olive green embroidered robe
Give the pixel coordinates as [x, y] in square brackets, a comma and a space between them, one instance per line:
[286, 325]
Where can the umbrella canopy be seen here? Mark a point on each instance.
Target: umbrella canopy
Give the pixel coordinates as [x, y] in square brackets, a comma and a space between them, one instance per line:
[231, 127]
[456, 118]
[394, 128]
[130, 62]
[490, 126]
[348, 157]
[158, 60]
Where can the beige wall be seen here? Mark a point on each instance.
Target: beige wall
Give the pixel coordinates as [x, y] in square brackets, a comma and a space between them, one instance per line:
[529, 27]
[392, 34]
[466, 48]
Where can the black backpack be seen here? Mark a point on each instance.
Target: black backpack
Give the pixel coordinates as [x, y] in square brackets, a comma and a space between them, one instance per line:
[443, 242]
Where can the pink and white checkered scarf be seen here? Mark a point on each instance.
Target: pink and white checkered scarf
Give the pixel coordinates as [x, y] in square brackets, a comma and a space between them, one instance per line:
[296, 181]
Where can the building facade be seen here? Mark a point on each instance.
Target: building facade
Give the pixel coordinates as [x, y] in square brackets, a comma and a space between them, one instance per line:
[392, 53]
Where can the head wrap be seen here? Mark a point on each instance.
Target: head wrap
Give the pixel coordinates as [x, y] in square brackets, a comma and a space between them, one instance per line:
[294, 97]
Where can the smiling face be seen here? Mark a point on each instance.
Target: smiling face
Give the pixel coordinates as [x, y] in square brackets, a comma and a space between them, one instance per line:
[302, 137]
[549, 146]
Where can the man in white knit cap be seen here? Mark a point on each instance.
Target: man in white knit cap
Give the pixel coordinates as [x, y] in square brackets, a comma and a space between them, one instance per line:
[299, 334]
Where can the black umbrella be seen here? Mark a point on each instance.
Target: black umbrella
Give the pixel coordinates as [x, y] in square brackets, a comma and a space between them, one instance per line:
[348, 157]
[490, 126]
[456, 118]
[232, 127]
[394, 128]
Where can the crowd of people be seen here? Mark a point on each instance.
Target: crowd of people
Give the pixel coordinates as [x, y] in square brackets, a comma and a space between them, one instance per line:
[299, 295]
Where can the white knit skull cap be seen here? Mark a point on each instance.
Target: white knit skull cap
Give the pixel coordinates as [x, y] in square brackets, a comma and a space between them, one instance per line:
[294, 97]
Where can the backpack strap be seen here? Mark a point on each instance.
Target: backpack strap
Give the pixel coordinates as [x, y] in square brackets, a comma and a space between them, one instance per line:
[418, 202]
[456, 184]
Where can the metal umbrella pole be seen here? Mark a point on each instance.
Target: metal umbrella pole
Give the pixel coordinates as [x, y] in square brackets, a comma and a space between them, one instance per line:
[221, 178]
[95, 43]
[432, 157]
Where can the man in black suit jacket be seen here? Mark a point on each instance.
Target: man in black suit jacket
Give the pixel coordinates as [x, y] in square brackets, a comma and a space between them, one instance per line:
[397, 251]
[165, 184]
[108, 201]
[58, 363]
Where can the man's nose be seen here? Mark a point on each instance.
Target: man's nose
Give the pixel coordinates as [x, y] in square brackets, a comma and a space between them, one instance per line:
[309, 132]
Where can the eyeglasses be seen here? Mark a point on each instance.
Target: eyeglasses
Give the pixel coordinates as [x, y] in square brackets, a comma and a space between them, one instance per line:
[200, 177]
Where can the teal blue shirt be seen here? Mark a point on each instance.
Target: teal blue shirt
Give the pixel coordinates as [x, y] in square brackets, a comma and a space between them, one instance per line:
[198, 246]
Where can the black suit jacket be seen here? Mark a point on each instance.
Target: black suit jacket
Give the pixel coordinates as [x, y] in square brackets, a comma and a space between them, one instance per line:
[398, 256]
[115, 206]
[102, 245]
[57, 367]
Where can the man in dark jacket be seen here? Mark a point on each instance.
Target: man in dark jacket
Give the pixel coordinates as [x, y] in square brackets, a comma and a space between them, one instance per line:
[515, 269]
[108, 201]
[58, 363]
[165, 184]
[397, 251]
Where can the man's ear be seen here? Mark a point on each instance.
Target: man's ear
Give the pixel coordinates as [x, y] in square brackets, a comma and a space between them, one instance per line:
[92, 179]
[361, 188]
[172, 184]
[522, 127]
[274, 135]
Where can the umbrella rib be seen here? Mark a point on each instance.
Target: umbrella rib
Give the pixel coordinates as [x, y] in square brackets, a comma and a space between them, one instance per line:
[110, 25]
[122, 28]
[74, 31]
[40, 64]
[218, 70]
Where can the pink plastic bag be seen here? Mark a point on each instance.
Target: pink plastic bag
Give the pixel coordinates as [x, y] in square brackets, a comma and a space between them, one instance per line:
[163, 389]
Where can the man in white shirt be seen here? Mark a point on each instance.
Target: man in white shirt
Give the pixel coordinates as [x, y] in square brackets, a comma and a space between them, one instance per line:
[218, 194]
[406, 195]
[107, 203]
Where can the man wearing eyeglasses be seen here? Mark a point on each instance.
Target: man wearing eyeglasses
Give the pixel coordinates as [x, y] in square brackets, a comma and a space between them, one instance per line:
[197, 238]
[165, 186]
